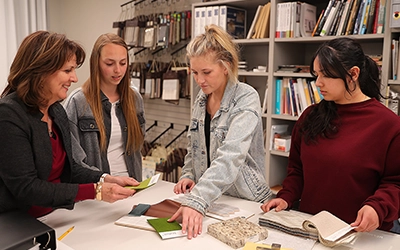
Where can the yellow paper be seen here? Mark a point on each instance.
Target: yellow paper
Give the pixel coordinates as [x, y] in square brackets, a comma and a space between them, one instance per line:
[253, 246]
[146, 183]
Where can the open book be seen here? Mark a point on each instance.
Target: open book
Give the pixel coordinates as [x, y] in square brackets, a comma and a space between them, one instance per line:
[324, 226]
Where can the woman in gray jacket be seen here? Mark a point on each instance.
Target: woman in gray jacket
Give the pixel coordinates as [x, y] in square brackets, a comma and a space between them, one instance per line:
[106, 115]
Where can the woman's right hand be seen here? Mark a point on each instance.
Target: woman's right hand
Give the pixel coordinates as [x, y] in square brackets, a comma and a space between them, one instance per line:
[111, 192]
[184, 186]
[278, 203]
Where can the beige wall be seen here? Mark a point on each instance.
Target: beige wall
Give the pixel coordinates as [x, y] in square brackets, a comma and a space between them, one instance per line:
[83, 21]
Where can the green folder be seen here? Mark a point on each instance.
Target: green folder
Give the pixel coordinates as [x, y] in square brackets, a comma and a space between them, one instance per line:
[165, 229]
[146, 183]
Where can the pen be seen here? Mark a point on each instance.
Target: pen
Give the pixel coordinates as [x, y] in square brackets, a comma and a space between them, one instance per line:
[66, 233]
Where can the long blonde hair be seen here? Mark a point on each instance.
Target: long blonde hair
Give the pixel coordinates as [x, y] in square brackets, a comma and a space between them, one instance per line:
[92, 92]
[218, 41]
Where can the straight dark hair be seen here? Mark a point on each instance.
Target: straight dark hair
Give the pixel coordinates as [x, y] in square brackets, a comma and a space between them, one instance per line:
[336, 58]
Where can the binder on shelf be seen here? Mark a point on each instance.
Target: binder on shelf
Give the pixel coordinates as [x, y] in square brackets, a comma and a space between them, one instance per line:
[196, 19]
[308, 15]
[233, 20]
[21, 231]
[215, 15]
[209, 15]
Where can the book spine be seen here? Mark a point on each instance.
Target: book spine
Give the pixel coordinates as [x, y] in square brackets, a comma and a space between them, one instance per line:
[253, 24]
[336, 19]
[371, 17]
[364, 20]
[278, 20]
[324, 17]
[381, 17]
[375, 29]
[222, 16]
[278, 88]
[318, 22]
[215, 15]
[329, 20]
[344, 18]
[360, 14]
[293, 99]
[353, 16]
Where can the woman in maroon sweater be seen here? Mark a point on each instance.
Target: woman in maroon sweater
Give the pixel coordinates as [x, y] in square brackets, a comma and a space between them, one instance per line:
[344, 156]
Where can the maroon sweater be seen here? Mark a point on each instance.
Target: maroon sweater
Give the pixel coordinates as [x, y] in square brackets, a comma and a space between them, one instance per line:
[359, 166]
[85, 191]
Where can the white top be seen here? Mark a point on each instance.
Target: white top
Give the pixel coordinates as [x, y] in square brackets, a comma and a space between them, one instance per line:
[116, 147]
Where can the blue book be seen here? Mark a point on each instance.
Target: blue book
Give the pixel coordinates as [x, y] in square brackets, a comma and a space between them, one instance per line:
[364, 19]
[278, 91]
[361, 12]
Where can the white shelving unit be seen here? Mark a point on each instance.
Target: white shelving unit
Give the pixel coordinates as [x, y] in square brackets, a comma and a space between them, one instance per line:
[273, 52]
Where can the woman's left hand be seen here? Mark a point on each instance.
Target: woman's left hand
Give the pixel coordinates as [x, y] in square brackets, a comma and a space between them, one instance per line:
[121, 180]
[367, 220]
[192, 221]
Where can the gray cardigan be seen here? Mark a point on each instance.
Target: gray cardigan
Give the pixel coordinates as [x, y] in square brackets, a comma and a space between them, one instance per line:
[26, 159]
[85, 131]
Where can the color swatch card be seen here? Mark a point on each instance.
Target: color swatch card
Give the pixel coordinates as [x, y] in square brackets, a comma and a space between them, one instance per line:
[167, 230]
[146, 183]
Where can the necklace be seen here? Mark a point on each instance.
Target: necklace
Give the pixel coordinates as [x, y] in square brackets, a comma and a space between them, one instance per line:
[50, 127]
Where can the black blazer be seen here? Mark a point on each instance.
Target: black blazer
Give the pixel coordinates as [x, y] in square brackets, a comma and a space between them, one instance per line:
[26, 159]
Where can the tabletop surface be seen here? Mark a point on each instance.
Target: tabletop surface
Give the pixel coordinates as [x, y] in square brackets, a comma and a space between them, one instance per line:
[94, 227]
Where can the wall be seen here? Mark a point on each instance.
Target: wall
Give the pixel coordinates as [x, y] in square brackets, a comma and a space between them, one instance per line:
[83, 21]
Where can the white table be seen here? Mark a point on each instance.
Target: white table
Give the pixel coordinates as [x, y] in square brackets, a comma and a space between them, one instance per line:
[95, 228]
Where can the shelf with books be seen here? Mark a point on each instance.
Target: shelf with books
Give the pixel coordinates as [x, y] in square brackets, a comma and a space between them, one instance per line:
[299, 51]
[249, 48]
[275, 51]
[319, 39]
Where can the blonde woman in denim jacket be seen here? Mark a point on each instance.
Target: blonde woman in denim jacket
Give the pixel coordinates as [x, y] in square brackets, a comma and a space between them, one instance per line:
[226, 152]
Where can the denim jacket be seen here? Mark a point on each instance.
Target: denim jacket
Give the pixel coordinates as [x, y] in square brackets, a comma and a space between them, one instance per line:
[237, 151]
[85, 131]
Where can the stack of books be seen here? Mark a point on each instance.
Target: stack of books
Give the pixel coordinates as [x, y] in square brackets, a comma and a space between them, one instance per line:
[260, 26]
[294, 95]
[351, 17]
[295, 19]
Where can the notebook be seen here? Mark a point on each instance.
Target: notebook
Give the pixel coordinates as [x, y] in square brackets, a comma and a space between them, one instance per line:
[19, 230]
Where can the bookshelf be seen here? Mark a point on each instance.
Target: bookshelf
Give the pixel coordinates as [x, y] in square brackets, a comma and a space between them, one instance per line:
[297, 50]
